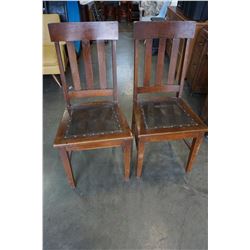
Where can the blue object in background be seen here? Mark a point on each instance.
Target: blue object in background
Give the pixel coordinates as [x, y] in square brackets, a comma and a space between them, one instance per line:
[74, 16]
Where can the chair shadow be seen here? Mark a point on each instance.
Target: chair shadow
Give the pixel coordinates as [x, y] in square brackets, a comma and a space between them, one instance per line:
[101, 171]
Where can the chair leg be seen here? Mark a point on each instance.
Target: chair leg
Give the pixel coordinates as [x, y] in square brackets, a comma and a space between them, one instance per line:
[193, 151]
[54, 77]
[133, 124]
[140, 156]
[133, 128]
[67, 167]
[127, 147]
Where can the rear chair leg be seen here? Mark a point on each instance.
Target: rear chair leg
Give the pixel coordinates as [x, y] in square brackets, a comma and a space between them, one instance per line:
[133, 124]
[54, 77]
[127, 147]
[140, 156]
[133, 127]
[193, 151]
[67, 167]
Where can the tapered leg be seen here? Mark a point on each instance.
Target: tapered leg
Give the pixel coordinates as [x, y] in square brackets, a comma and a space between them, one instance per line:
[70, 154]
[127, 147]
[134, 129]
[67, 167]
[133, 124]
[140, 156]
[57, 81]
[193, 151]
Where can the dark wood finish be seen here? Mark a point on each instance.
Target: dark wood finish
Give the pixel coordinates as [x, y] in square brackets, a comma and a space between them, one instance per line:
[174, 14]
[183, 69]
[170, 29]
[90, 93]
[67, 166]
[148, 62]
[191, 126]
[73, 65]
[63, 78]
[193, 152]
[83, 31]
[88, 64]
[90, 125]
[197, 75]
[160, 61]
[102, 64]
[173, 61]
[127, 156]
[114, 71]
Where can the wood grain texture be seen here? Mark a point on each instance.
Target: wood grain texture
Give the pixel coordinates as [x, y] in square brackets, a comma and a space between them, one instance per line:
[62, 74]
[86, 50]
[195, 128]
[114, 71]
[127, 148]
[169, 29]
[158, 89]
[160, 61]
[184, 67]
[140, 157]
[102, 64]
[66, 141]
[173, 61]
[74, 65]
[193, 151]
[67, 167]
[148, 62]
[136, 63]
[90, 93]
[74, 31]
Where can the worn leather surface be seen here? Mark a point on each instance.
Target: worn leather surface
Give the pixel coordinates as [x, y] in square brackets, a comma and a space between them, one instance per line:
[89, 121]
[166, 114]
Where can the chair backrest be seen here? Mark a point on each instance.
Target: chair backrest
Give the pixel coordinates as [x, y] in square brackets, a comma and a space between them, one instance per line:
[173, 30]
[86, 32]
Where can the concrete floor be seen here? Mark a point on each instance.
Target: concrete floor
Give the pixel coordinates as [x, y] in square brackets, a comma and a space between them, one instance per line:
[166, 209]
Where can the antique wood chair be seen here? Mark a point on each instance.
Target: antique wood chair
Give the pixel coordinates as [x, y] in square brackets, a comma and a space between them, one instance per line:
[163, 118]
[90, 125]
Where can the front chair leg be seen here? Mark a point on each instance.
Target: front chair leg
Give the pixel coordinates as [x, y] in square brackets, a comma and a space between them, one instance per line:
[193, 151]
[67, 167]
[140, 156]
[127, 147]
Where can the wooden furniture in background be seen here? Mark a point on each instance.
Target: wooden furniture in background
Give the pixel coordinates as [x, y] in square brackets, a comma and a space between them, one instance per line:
[174, 14]
[168, 118]
[90, 125]
[124, 13]
[111, 10]
[50, 63]
[197, 74]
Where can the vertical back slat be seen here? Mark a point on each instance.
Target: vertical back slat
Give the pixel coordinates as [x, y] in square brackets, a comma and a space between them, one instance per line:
[114, 70]
[160, 61]
[184, 67]
[173, 61]
[148, 62]
[136, 62]
[88, 64]
[102, 64]
[73, 65]
[62, 75]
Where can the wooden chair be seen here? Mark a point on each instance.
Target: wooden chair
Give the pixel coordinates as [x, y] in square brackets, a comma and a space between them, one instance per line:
[90, 125]
[167, 118]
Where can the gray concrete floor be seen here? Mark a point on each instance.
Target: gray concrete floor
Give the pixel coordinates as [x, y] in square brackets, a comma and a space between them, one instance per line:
[166, 209]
